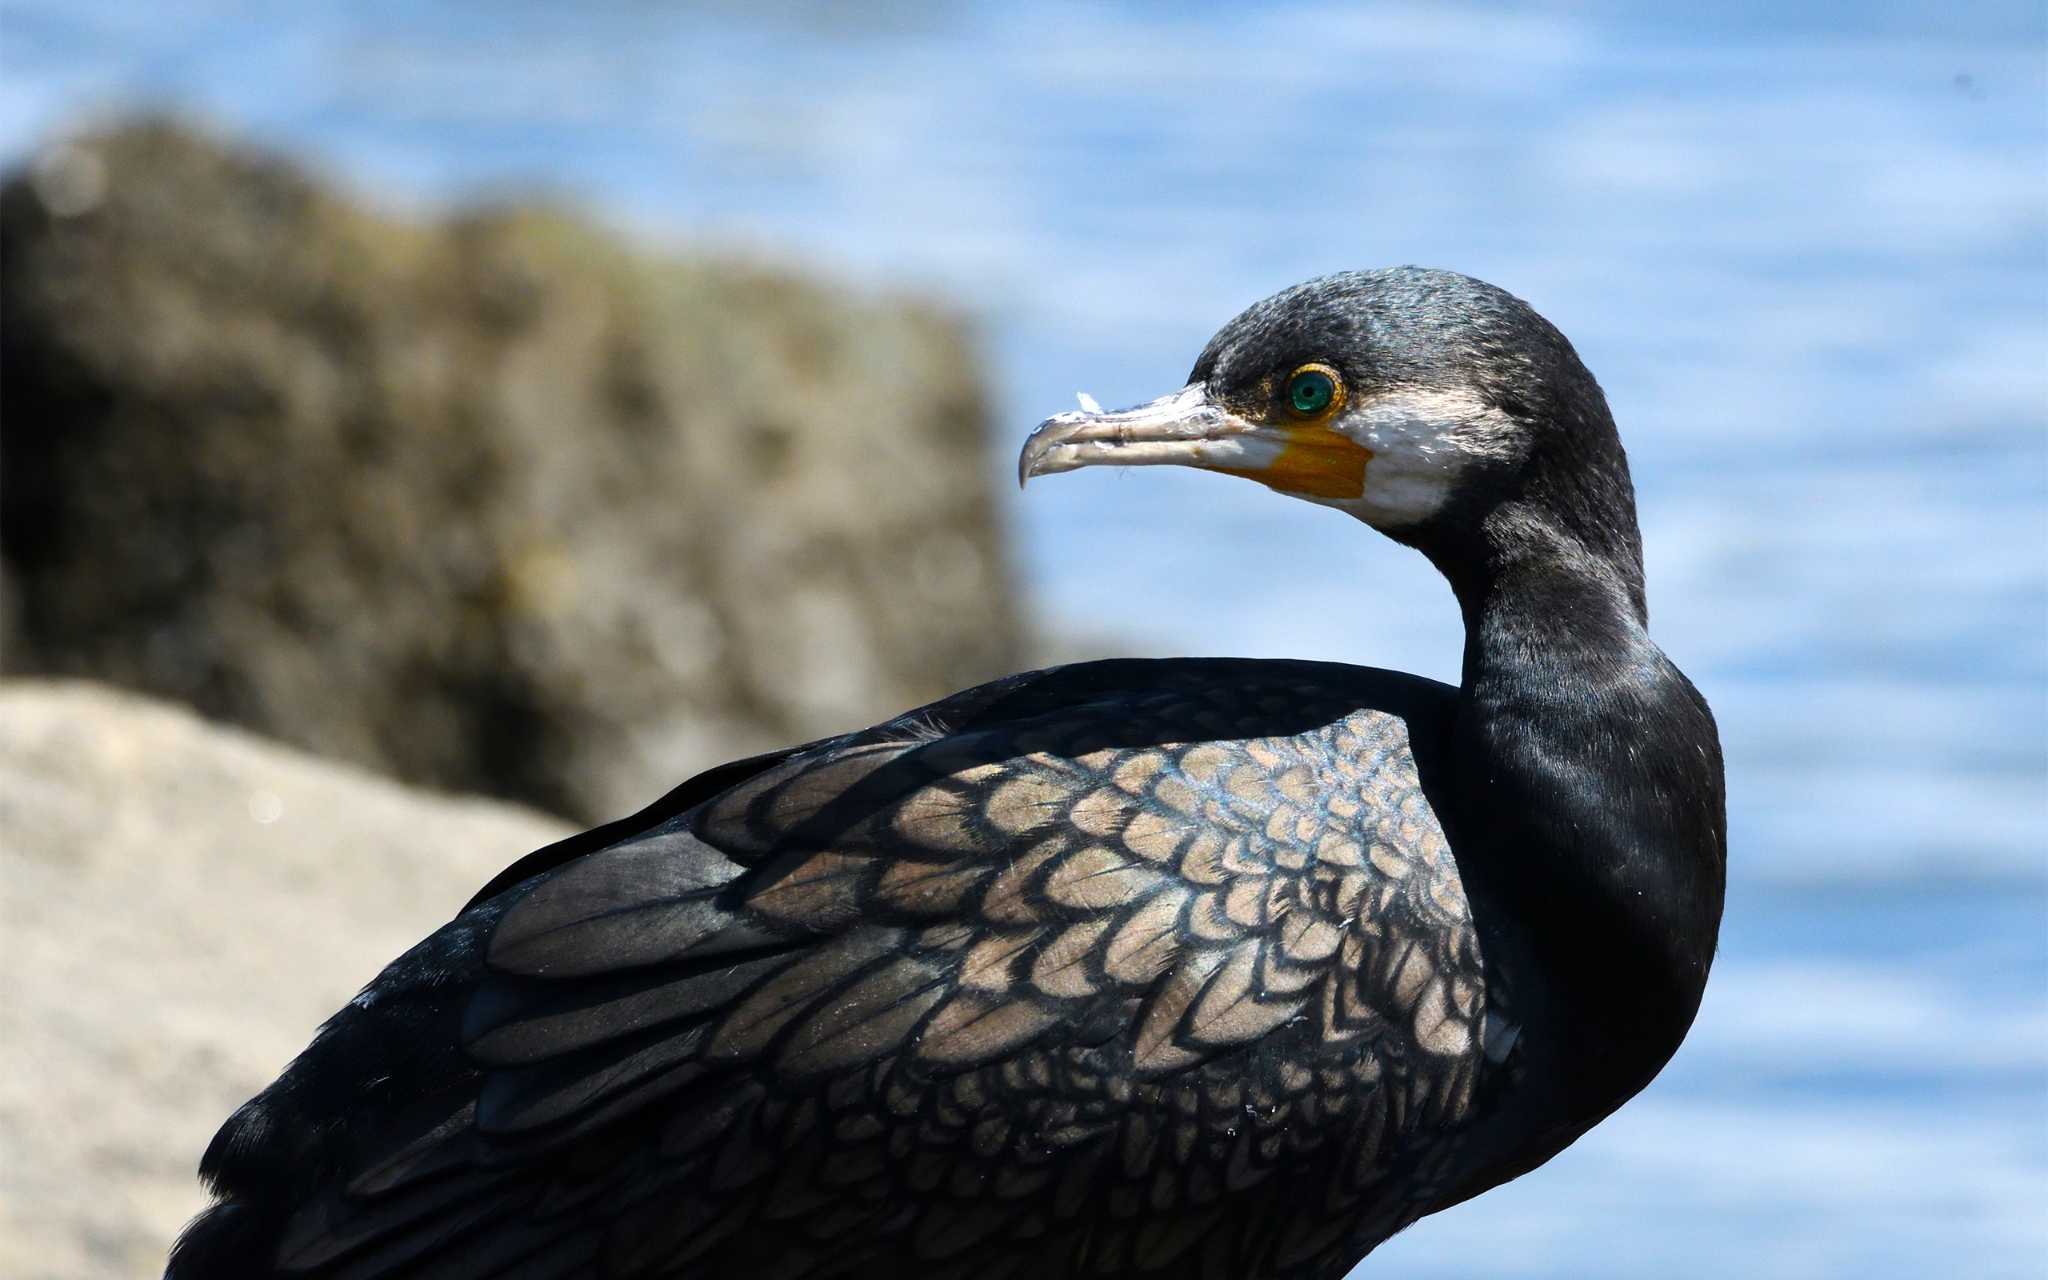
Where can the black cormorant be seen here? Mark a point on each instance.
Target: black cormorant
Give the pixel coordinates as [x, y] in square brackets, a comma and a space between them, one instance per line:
[1196, 967]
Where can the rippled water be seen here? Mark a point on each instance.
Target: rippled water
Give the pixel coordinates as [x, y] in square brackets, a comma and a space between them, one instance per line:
[1806, 252]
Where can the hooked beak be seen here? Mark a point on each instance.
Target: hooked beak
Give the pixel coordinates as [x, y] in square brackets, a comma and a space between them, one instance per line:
[1190, 430]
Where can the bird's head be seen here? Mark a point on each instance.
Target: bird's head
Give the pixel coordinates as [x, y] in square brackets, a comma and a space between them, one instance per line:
[1418, 401]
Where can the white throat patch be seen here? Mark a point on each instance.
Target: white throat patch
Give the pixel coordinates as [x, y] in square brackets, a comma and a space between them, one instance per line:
[1422, 442]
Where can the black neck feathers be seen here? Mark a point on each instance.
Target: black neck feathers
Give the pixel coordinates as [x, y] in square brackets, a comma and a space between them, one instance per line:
[1590, 773]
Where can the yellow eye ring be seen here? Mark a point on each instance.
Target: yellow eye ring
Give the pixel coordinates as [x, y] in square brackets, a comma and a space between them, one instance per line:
[1314, 391]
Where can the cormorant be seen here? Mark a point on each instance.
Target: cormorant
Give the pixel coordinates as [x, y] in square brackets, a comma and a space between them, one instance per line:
[1195, 967]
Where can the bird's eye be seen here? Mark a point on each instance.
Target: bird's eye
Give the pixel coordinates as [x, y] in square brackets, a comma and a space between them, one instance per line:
[1311, 390]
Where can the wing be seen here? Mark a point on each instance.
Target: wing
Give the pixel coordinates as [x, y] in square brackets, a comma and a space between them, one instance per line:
[1106, 979]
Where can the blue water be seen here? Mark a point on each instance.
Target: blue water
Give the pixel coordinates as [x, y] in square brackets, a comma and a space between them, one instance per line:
[1805, 248]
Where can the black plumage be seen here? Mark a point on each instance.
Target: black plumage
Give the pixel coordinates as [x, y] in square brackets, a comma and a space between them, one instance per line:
[1200, 967]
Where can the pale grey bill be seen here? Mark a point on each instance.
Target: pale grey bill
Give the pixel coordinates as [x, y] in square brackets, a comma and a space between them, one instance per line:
[1182, 428]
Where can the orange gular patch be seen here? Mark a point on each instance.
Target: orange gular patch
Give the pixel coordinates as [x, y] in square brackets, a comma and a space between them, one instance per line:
[1315, 461]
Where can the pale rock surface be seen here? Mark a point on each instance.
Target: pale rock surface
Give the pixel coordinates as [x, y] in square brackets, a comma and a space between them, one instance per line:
[181, 904]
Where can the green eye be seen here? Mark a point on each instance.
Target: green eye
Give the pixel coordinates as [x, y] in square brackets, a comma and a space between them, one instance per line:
[1311, 391]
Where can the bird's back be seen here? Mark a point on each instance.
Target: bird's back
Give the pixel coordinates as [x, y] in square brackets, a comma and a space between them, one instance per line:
[1123, 968]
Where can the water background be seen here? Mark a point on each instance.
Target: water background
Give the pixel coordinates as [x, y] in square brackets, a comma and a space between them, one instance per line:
[1805, 248]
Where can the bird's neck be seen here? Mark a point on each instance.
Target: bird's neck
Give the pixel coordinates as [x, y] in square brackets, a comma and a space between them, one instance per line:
[1590, 774]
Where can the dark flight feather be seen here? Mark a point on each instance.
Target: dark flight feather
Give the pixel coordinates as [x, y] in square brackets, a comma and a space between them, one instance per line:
[889, 946]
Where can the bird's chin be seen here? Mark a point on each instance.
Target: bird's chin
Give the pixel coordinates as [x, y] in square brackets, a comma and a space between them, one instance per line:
[1188, 429]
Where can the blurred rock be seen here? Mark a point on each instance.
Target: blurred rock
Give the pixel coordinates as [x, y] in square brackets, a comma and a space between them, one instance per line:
[180, 905]
[493, 503]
